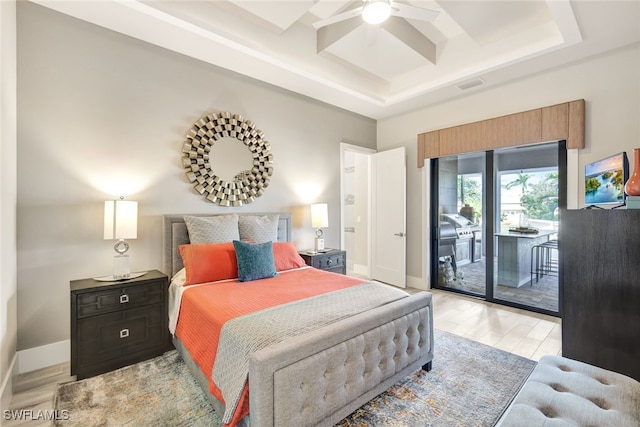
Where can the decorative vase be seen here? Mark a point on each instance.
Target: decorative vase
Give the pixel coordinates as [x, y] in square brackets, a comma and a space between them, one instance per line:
[632, 186]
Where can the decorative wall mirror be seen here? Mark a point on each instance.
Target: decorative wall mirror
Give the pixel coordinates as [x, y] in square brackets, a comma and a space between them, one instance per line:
[208, 168]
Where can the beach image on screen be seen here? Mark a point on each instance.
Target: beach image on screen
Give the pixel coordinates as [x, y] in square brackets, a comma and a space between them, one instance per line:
[604, 181]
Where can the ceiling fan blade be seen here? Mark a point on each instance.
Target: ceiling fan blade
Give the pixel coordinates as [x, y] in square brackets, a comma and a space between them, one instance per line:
[412, 12]
[337, 18]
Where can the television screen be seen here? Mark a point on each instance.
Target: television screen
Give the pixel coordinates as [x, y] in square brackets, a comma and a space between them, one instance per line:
[604, 180]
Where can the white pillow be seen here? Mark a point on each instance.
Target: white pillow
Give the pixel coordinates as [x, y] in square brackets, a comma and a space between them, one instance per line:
[212, 229]
[179, 278]
[258, 228]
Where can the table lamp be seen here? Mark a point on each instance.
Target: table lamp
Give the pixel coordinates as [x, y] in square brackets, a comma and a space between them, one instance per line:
[319, 219]
[120, 223]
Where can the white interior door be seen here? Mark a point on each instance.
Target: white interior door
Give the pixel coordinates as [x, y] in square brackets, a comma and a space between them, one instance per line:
[388, 197]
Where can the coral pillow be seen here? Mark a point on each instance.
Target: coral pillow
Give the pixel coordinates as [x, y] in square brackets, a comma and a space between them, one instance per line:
[286, 256]
[208, 262]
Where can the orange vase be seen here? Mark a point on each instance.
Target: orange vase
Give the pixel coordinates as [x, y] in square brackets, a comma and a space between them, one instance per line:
[632, 186]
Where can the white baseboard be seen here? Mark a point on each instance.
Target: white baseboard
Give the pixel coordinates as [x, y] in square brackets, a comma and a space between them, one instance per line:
[44, 356]
[412, 281]
[6, 392]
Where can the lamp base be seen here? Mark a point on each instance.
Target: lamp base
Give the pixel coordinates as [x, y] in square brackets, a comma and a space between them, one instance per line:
[121, 269]
[318, 244]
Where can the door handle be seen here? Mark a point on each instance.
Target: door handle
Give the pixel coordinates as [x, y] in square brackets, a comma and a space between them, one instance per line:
[399, 234]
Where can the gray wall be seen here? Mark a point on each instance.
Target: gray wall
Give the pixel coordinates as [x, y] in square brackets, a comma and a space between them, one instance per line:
[8, 281]
[101, 114]
[609, 84]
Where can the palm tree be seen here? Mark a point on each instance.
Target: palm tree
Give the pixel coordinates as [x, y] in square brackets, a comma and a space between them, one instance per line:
[520, 181]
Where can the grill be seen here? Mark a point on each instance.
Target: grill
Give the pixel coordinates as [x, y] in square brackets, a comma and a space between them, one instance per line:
[448, 234]
[447, 243]
[456, 234]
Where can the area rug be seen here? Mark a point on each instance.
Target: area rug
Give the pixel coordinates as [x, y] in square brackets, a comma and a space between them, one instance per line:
[470, 384]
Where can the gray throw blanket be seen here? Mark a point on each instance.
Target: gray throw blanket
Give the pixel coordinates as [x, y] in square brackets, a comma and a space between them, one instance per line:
[244, 335]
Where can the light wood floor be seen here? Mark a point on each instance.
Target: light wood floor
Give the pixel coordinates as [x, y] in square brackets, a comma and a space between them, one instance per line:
[517, 331]
[521, 332]
[34, 391]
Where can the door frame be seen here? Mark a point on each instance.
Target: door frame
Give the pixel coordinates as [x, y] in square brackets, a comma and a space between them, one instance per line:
[345, 147]
[432, 201]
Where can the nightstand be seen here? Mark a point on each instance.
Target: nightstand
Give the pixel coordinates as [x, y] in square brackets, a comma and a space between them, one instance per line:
[333, 260]
[114, 324]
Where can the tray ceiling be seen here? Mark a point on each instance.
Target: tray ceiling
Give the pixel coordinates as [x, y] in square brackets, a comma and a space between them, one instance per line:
[374, 70]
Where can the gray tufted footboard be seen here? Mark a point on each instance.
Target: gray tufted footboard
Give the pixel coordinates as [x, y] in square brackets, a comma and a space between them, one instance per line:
[321, 377]
[564, 392]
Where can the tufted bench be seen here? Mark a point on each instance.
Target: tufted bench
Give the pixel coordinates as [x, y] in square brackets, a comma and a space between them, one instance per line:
[564, 392]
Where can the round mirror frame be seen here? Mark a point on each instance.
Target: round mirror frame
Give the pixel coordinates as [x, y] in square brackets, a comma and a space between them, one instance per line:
[196, 155]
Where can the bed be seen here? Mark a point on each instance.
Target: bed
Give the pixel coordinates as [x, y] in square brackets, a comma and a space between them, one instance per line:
[315, 376]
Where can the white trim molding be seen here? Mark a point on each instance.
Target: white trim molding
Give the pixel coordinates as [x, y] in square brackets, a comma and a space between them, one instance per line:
[44, 356]
[6, 392]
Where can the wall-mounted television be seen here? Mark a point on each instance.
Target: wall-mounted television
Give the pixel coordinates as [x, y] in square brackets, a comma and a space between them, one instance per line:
[604, 180]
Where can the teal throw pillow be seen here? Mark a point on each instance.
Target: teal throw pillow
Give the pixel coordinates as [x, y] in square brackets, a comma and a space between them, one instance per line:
[255, 261]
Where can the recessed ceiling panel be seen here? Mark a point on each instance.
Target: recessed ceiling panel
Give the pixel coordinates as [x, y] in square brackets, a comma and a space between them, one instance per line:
[371, 48]
[325, 8]
[281, 13]
[488, 21]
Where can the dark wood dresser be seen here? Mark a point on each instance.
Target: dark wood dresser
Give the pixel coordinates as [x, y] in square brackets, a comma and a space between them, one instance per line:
[600, 293]
[114, 324]
[333, 260]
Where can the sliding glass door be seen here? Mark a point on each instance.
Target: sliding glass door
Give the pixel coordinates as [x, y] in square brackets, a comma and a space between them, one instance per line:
[526, 238]
[460, 232]
[497, 223]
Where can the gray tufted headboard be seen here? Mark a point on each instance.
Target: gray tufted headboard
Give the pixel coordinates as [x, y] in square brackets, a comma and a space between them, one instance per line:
[174, 234]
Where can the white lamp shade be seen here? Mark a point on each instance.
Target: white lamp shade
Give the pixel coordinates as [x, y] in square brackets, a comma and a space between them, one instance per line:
[319, 215]
[376, 11]
[120, 219]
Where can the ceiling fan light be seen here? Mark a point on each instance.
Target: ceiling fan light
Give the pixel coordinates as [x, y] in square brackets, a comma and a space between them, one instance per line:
[376, 11]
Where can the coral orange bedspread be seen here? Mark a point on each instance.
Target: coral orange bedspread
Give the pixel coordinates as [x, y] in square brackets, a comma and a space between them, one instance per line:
[205, 309]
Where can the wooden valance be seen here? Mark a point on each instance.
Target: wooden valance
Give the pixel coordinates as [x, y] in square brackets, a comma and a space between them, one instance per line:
[553, 123]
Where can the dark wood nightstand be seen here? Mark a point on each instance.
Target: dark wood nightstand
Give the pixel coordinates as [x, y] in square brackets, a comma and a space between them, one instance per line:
[333, 260]
[114, 324]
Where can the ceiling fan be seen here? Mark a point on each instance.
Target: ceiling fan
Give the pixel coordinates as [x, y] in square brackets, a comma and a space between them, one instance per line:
[377, 11]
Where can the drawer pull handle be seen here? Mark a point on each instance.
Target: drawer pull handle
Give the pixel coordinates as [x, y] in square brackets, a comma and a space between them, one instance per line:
[124, 299]
[329, 261]
[124, 333]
